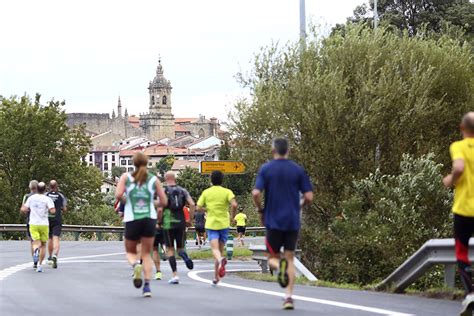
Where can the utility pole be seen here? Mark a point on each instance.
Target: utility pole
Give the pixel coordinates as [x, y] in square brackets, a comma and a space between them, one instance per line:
[376, 15]
[302, 24]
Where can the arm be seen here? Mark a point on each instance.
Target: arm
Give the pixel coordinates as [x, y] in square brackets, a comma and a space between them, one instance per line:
[451, 179]
[120, 190]
[233, 207]
[52, 210]
[201, 203]
[308, 198]
[161, 193]
[24, 209]
[192, 206]
[257, 201]
[160, 216]
[64, 203]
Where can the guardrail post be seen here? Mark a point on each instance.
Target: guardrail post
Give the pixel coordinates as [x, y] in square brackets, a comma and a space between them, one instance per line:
[449, 275]
[99, 236]
[121, 236]
[76, 236]
[230, 247]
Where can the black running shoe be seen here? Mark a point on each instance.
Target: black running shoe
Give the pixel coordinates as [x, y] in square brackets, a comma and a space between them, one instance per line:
[189, 263]
[55, 262]
[282, 276]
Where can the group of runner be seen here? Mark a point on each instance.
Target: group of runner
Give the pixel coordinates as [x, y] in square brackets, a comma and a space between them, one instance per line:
[43, 209]
[154, 216]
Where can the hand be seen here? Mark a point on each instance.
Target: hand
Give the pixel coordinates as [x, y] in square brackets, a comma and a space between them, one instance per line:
[448, 181]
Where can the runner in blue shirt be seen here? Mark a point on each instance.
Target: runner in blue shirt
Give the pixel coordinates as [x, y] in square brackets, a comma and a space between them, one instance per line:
[287, 188]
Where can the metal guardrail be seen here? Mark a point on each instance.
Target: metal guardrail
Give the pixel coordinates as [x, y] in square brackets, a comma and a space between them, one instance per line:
[99, 230]
[433, 252]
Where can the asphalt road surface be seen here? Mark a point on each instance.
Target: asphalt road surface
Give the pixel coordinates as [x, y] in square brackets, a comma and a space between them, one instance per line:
[94, 279]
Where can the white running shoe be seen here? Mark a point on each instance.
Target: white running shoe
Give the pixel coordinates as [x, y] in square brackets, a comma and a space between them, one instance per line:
[174, 280]
[468, 305]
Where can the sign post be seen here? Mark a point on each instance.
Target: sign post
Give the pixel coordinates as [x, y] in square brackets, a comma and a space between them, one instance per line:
[227, 167]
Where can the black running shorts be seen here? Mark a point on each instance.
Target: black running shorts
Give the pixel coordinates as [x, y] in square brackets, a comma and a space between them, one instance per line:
[135, 230]
[55, 227]
[175, 234]
[200, 229]
[241, 229]
[275, 239]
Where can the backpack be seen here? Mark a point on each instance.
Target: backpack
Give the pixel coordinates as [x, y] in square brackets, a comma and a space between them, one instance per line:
[176, 198]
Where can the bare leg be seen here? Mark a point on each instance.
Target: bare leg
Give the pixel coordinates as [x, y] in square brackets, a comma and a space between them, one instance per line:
[147, 246]
[289, 256]
[156, 259]
[42, 252]
[217, 253]
[50, 247]
[55, 245]
[131, 249]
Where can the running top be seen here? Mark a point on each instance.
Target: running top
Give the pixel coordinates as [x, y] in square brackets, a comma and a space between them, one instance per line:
[139, 203]
[59, 203]
[39, 205]
[199, 219]
[241, 219]
[464, 190]
[216, 200]
[175, 218]
[283, 181]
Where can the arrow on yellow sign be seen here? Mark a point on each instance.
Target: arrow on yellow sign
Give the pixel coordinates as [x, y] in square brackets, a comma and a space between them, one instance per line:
[228, 167]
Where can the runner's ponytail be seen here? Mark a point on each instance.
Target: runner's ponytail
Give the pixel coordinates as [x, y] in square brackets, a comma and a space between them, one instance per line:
[140, 161]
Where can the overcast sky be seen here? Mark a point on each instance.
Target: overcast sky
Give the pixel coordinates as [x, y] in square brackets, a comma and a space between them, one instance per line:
[89, 52]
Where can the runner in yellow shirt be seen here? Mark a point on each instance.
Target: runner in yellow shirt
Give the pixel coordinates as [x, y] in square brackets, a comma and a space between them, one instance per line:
[462, 178]
[241, 221]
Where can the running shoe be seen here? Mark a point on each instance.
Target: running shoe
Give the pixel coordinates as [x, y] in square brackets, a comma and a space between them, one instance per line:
[222, 267]
[137, 276]
[35, 266]
[189, 263]
[282, 276]
[50, 260]
[174, 280]
[214, 282]
[288, 303]
[55, 262]
[197, 243]
[36, 256]
[146, 290]
[158, 275]
[39, 269]
[468, 305]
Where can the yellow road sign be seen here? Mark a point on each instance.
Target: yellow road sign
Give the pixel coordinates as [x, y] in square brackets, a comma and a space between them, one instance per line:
[228, 167]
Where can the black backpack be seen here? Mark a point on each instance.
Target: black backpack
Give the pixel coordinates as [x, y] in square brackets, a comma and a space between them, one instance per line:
[176, 198]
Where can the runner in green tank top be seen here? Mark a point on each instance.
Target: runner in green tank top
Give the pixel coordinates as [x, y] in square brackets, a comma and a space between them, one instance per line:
[140, 217]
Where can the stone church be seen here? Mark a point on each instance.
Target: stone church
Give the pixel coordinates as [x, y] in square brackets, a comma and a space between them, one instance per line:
[158, 123]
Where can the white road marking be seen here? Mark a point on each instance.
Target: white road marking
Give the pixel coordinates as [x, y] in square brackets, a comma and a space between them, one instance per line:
[194, 275]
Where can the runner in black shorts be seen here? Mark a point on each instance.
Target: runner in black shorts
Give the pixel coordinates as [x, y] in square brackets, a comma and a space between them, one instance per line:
[199, 225]
[174, 224]
[55, 222]
[140, 217]
[283, 181]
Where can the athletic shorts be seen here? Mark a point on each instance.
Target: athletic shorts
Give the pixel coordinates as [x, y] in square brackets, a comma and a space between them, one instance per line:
[275, 239]
[55, 228]
[463, 231]
[200, 229]
[241, 229]
[221, 234]
[175, 234]
[135, 230]
[159, 238]
[39, 232]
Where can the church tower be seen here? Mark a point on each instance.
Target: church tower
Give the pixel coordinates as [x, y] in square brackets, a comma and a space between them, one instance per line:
[159, 122]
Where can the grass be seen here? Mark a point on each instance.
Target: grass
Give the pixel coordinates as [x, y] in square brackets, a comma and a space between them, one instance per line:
[239, 253]
[438, 293]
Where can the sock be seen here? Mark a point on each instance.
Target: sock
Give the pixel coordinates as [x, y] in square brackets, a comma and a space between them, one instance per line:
[147, 282]
[141, 261]
[172, 261]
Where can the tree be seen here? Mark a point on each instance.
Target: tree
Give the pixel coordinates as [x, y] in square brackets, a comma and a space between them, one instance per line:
[36, 143]
[117, 171]
[411, 15]
[193, 181]
[164, 165]
[351, 104]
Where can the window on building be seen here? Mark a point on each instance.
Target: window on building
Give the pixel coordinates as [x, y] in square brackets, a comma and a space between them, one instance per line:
[106, 166]
[113, 157]
[113, 164]
[106, 157]
[90, 158]
[152, 99]
[123, 162]
[130, 169]
[164, 99]
[130, 162]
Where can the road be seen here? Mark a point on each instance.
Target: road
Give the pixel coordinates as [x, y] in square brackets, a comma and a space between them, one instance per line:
[94, 279]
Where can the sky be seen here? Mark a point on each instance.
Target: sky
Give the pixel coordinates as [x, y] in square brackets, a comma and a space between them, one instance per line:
[89, 52]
